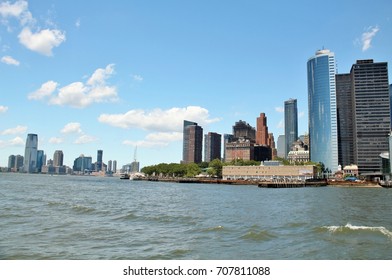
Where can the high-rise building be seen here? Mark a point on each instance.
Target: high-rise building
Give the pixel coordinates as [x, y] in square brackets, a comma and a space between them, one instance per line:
[41, 159]
[82, 164]
[58, 158]
[271, 144]
[321, 72]
[114, 166]
[290, 123]
[371, 113]
[110, 166]
[227, 138]
[30, 157]
[281, 146]
[242, 129]
[212, 146]
[192, 142]
[11, 162]
[262, 130]
[99, 165]
[345, 119]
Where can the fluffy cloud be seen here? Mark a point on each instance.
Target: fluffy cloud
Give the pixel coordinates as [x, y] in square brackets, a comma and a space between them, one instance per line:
[367, 37]
[44, 91]
[279, 109]
[17, 141]
[79, 94]
[15, 130]
[42, 41]
[3, 109]
[72, 128]
[10, 60]
[170, 120]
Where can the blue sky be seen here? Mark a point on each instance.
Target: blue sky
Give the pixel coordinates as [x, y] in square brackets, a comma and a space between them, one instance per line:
[112, 75]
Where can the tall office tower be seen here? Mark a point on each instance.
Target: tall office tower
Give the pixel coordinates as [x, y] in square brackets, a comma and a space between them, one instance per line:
[290, 123]
[11, 163]
[371, 113]
[58, 158]
[262, 130]
[19, 163]
[227, 138]
[344, 117]
[82, 163]
[212, 146]
[322, 109]
[114, 166]
[241, 129]
[282, 146]
[30, 157]
[110, 166]
[99, 160]
[41, 159]
[271, 144]
[192, 142]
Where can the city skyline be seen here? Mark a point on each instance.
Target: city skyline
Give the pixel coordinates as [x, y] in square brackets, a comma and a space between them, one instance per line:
[129, 73]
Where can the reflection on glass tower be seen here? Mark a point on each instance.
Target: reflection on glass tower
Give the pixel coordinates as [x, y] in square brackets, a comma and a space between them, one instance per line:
[30, 158]
[322, 109]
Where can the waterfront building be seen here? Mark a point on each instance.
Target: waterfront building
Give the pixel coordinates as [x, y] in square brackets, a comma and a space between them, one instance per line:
[322, 123]
[98, 165]
[269, 172]
[41, 159]
[227, 138]
[114, 166]
[212, 146]
[58, 158]
[298, 152]
[271, 144]
[110, 166]
[262, 153]
[290, 123]
[371, 113]
[262, 130]
[242, 148]
[83, 164]
[281, 146]
[135, 166]
[11, 163]
[30, 157]
[192, 142]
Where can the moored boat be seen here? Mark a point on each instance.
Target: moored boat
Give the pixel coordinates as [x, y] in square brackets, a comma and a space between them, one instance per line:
[385, 183]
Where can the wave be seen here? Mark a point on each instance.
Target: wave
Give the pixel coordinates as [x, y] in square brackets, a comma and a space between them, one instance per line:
[262, 235]
[351, 228]
[217, 228]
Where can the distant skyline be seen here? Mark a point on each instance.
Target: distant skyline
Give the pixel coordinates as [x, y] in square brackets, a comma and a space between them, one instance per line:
[94, 75]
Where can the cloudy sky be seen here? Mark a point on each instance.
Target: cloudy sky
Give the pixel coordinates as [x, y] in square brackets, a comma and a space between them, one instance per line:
[113, 75]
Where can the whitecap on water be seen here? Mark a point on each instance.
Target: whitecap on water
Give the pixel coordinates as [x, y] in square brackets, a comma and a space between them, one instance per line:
[351, 228]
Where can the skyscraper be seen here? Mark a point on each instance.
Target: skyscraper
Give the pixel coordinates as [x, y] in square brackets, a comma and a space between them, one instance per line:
[290, 123]
[212, 146]
[322, 109]
[371, 113]
[99, 160]
[227, 138]
[281, 146]
[192, 142]
[58, 158]
[242, 129]
[345, 119]
[262, 130]
[30, 157]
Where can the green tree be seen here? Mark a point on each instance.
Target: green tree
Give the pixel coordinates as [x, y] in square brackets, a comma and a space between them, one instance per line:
[215, 168]
[192, 169]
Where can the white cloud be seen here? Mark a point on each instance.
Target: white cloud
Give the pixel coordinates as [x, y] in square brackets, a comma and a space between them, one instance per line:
[279, 109]
[10, 60]
[367, 37]
[15, 130]
[3, 109]
[17, 141]
[84, 139]
[56, 140]
[79, 94]
[170, 120]
[164, 136]
[44, 91]
[42, 41]
[137, 78]
[71, 128]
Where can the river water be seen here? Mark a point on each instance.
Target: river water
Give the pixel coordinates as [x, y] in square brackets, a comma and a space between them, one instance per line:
[76, 217]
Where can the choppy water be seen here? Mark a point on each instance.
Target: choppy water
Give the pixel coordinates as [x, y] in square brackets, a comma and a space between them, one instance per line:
[70, 217]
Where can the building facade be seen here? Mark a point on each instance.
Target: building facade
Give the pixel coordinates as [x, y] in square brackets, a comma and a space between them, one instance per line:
[242, 129]
[99, 163]
[371, 113]
[290, 123]
[30, 157]
[344, 104]
[58, 158]
[262, 130]
[212, 146]
[321, 72]
[192, 142]
[83, 164]
[268, 173]
[227, 138]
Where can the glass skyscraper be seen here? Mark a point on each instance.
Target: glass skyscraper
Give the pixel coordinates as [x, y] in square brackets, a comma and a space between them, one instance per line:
[290, 123]
[31, 156]
[321, 72]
